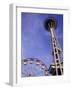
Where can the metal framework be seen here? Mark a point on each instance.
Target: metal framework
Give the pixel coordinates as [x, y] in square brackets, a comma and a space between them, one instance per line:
[38, 63]
[57, 67]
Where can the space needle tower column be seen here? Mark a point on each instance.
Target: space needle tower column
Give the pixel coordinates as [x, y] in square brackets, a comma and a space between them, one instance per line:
[57, 67]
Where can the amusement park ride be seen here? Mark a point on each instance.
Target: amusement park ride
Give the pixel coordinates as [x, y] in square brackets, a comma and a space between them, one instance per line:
[35, 65]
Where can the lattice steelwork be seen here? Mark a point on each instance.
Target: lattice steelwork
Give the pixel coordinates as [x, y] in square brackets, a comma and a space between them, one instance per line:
[57, 67]
[33, 67]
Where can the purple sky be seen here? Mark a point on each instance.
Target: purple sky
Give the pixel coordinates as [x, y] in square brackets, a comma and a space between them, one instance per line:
[35, 40]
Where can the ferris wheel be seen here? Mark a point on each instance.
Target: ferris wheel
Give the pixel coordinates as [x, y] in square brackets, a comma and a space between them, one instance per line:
[33, 67]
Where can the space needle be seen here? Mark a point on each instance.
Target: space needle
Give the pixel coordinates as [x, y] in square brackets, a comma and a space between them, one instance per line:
[56, 68]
